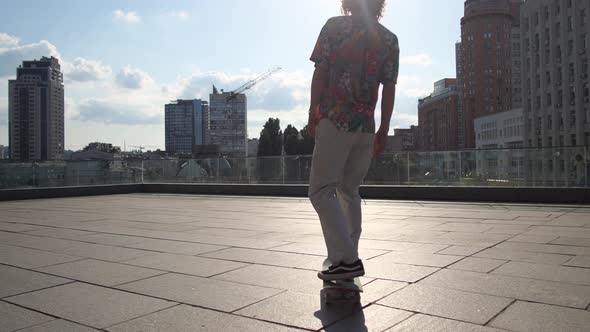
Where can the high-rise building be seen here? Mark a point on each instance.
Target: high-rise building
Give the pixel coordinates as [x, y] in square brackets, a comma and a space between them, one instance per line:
[36, 111]
[229, 117]
[186, 125]
[460, 115]
[438, 118]
[2, 148]
[555, 39]
[487, 60]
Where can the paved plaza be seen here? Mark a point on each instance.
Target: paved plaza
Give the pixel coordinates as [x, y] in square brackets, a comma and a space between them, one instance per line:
[137, 263]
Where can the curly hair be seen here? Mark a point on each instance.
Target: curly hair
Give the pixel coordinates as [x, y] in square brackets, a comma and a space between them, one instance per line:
[369, 7]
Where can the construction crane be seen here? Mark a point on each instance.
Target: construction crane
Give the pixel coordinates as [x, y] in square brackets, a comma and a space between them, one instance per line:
[249, 85]
[139, 147]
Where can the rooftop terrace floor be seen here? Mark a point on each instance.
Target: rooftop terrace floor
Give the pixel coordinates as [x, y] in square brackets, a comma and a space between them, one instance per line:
[199, 263]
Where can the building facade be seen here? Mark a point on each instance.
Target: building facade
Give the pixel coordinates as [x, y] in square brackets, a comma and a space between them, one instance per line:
[555, 39]
[487, 60]
[187, 124]
[229, 118]
[36, 111]
[438, 117]
[402, 140]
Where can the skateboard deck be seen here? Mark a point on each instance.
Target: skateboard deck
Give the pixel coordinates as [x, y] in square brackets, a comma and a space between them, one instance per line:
[341, 291]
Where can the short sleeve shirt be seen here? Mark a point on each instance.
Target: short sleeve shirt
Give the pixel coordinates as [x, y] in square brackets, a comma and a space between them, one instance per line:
[359, 55]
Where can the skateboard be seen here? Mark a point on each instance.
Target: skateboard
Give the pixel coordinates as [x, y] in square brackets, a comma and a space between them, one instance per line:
[341, 291]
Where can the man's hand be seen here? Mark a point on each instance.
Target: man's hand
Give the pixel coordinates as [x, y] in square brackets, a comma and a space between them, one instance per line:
[313, 121]
[380, 142]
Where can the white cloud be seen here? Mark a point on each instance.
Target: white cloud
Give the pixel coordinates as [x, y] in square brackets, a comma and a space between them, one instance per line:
[8, 40]
[180, 15]
[422, 59]
[84, 70]
[413, 86]
[130, 17]
[133, 78]
[11, 58]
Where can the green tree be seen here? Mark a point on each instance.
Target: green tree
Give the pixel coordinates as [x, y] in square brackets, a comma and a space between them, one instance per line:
[269, 143]
[291, 140]
[306, 144]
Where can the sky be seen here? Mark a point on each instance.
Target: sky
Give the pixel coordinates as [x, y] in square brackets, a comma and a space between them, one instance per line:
[124, 59]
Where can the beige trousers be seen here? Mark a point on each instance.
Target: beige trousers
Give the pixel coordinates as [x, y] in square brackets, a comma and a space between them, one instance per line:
[340, 163]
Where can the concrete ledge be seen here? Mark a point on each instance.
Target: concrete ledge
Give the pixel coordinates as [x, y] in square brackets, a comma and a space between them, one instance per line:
[465, 194]
[424, 193]
[60, 192]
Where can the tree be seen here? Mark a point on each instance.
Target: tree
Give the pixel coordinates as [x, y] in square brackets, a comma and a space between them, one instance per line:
[269, 143]
[306, 144]
[291, 141]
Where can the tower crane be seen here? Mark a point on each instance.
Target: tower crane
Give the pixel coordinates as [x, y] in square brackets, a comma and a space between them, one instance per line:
[249, 85]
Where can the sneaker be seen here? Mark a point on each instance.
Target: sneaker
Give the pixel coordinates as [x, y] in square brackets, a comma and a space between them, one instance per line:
[343, 271]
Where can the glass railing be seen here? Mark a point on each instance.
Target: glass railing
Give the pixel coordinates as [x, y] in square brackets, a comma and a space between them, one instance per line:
[539, 167]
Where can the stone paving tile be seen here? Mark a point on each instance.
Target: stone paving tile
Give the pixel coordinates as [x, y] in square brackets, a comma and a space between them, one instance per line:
[378, 289]
[525, 316]
[462, 227]
[99, 272]
[550, 292]
[373, 318]
[15, 281]
[90, 305]
[572, 241]
[448, 241]
[523, 256]
[31, 258]
[59, 325]
[320, 250]
[39, 242]
[459, 251]
[60, 233]
[401, 246]
[204, 292]
[423, 323]
[432, 260]
[476, 264]
[103, 252]
[225, 232]
[297, 309]
[383, 269]
[261, 257]
[111, 239]
[197, 266]
[13, 227]
[546, 248]
[579, 261]
[14, 317]
[572, 275]
[533, 239]
[184, 318]
[175, 247]
[447, 303]
[302, 281]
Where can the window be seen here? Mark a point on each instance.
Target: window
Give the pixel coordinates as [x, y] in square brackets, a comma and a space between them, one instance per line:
[572, 118]
[549, 99]
[561, 140]
[549, 121]
[574, 141]
[583, 17]
[587, 139]
[550, 141]
[548, 77]
[570, 23]
[570, 47]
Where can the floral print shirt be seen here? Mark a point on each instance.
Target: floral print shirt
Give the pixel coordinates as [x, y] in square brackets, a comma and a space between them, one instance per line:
[360, 55]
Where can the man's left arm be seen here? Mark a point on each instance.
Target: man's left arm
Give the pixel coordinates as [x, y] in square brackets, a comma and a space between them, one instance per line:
[318, 85]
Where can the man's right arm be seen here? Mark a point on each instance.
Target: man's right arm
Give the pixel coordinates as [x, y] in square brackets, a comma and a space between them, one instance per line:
[387, 103]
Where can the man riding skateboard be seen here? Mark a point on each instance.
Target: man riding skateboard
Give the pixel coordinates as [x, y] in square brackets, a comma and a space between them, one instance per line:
[354, 56]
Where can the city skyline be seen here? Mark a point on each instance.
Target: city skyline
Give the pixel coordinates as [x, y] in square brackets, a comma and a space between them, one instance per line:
[117, 80]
